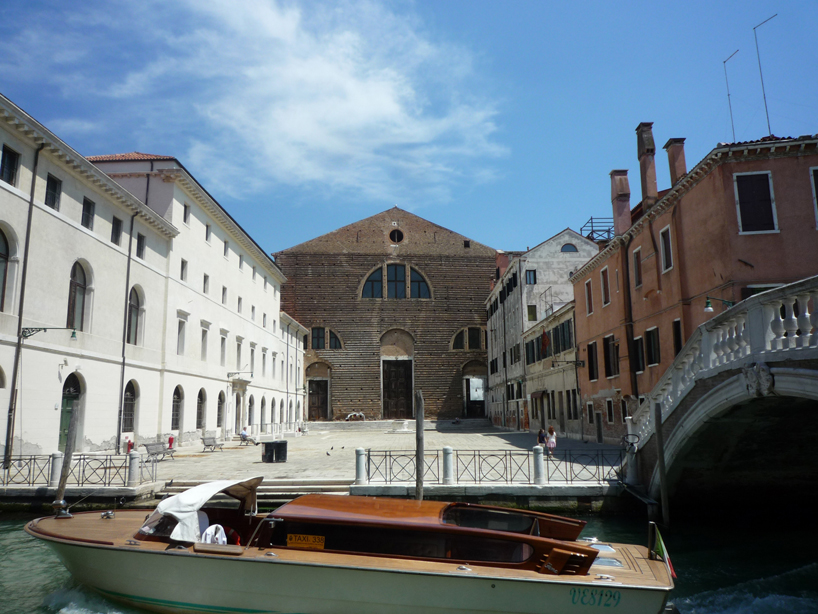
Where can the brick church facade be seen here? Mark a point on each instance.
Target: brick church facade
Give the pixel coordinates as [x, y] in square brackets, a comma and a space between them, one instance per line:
[394, 304]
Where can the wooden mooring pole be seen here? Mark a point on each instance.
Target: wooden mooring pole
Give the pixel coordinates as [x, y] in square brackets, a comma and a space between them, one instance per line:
[660, 454]
[420, 465]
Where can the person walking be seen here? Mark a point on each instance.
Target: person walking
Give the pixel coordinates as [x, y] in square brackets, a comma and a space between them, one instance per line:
[552, 440]
[541, 438]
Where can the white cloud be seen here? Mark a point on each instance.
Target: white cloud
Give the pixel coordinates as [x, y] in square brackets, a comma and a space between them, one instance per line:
[353, 98]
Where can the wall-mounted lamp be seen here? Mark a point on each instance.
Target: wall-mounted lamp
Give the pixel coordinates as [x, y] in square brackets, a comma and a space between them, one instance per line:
[28, 332]
[708, 306]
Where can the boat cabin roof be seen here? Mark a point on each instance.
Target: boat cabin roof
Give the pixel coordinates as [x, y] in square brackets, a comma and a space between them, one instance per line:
[333, 508]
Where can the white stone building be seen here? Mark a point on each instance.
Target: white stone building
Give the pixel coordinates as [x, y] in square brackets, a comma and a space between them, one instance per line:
[533, 286]
[161, 314]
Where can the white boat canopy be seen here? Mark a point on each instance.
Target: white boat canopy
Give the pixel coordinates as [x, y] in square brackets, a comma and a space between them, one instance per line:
[185, 506]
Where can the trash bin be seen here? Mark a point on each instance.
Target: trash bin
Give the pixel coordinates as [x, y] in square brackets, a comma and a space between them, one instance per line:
[274, 451]
[268, 454]
[281, 451]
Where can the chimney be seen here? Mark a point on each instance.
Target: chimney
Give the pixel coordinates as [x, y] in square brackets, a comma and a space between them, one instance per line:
[676, 158]
[647, 166]
[621, 201]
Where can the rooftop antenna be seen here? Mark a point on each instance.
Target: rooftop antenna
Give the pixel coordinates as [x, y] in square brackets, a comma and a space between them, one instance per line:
[729, 104]
[755, 34]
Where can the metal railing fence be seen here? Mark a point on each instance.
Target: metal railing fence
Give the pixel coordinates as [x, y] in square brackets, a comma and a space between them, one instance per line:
[86, 470]
[496, 466]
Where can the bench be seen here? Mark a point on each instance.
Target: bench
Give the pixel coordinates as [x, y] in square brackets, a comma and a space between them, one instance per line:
[212, 444]
[246, 440]
[158, 451]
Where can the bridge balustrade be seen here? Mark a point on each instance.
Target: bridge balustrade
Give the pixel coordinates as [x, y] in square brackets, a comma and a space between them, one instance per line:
[780, 324]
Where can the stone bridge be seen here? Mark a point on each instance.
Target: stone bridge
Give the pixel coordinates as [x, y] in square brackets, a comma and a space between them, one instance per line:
[738, 408]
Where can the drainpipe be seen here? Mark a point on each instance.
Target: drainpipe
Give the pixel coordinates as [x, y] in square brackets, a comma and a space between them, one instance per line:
[286, 371]
[18, 348]
[629, 314]
[125, 336]
[505, 362]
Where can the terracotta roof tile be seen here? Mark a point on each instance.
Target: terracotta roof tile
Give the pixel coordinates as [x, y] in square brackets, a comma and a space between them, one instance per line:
[128, 157]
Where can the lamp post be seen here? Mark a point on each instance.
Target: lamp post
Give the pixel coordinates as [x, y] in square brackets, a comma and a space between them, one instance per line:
[25, 333]
[708, 306]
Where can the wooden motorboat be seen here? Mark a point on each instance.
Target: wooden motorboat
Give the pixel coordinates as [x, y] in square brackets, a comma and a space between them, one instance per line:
[356, 555]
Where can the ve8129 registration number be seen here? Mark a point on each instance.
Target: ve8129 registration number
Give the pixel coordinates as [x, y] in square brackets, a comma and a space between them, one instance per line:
[600, 597]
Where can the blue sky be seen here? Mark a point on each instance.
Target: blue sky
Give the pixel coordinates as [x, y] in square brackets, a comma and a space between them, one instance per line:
[498, 120]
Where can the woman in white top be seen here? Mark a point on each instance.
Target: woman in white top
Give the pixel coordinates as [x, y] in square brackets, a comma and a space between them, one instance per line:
[552, 440]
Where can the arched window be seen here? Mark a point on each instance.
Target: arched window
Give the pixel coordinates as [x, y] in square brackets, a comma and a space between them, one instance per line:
[176, 409]
[459, 343]
[76, 297]
[263, 414]
[281, 411]
[129, 408]
[334, 341]
[201, 406]
[4, 268]
[250, 407]
[395, 281]
[373, 286]
[220, 411]
[569, 247]
[133, 316]
[419, 287]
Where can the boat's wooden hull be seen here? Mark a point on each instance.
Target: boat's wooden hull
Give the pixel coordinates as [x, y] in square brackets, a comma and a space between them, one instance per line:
[180, 581]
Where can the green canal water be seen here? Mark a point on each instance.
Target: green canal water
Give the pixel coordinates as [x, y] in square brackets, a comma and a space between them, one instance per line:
[725, 566]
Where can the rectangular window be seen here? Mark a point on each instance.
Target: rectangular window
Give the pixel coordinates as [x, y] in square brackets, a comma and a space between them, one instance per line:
[652, 346]
[183, 270]
[9, 166]
[88, 213]
[252, 360]
[623, 404]
[610, 347]
[238, 306]
[186, 215]
[140, 246]
[254, 273]
[667, 250]
[574, 404]
[53, 189]
[637, 267]
[532, 313]
[180, 338]
[531, 277]
[253, 313]
[116, 231]
[207, 232]
[396, 280]
[318, 338]
[224, 295]
[606, 290]
[241, 262]
[609, 410]
[638, 355]
[593, 372]
[755, 202]
[226, 248]
[589, 298]
[264, 320]
[265, 283]
[204, 345]
[223, 351]
[474, 338]
[206, 283]
[677, 337]
[590, 413]
[238, 355]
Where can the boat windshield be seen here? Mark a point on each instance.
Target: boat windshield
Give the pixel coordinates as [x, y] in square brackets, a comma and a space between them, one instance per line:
[493, 520]
[158, 525]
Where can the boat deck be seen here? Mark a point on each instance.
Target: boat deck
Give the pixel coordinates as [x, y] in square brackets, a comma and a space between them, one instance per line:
[118, 533]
